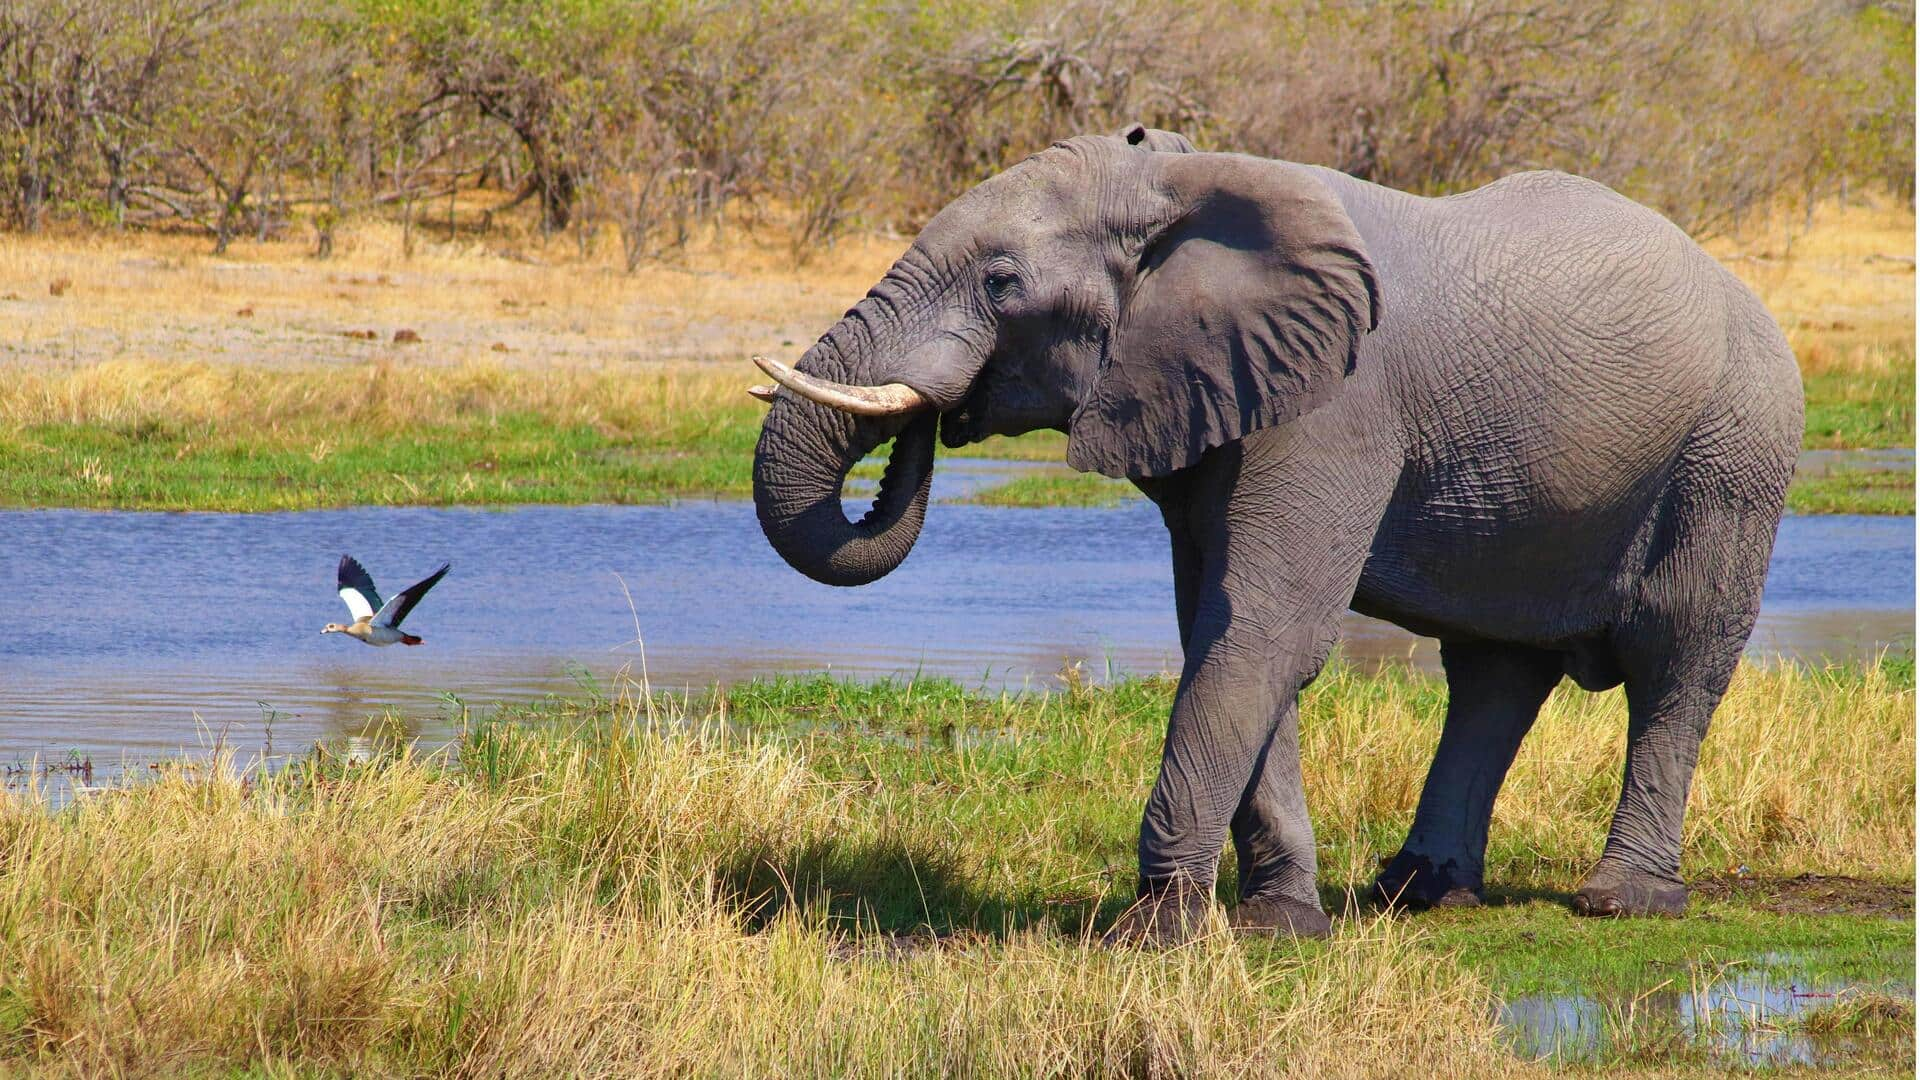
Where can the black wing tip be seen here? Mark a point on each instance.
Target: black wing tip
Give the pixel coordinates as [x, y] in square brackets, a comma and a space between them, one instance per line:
[354, 576]
[411, 595]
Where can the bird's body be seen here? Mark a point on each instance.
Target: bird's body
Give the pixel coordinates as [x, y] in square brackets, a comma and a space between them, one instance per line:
[373, 622]
[366, 631]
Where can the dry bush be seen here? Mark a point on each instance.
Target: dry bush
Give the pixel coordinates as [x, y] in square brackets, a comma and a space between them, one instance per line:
[661, 117]
[1708, 113]
[1027, 75]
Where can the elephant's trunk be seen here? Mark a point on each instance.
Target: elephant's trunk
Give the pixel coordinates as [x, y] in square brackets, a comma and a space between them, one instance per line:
[806, 450]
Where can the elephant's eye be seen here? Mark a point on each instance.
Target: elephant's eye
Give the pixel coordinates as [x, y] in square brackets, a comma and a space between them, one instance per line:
[1001, 285]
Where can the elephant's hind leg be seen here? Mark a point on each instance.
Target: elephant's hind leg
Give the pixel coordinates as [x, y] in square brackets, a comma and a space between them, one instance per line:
[1671, 695]
[1706, 564]
[1494, 692]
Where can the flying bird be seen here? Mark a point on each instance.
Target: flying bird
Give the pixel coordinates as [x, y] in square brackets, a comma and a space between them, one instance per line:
[373, 622]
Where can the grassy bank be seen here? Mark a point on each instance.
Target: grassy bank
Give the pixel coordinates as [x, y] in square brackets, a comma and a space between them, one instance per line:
[1853, 491]
[195, 436]
[820, 878]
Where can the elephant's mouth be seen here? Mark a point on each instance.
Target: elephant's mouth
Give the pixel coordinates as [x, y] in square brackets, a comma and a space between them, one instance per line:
[969, 420]
[966, 422]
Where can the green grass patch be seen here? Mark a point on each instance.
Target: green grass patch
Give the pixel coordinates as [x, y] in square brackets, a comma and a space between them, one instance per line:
[1059, 489]
[1851, 409]
[1853, 491]
[1526, 945]
[195, 437]
[198, 437]
[509, 460]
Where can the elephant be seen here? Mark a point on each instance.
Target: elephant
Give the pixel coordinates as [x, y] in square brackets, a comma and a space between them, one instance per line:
[1533, 420]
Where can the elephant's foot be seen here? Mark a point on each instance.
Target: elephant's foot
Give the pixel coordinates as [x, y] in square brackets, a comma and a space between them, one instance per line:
[1280, 915]
[1613, 891]
[1412, 880]
[1167, 913]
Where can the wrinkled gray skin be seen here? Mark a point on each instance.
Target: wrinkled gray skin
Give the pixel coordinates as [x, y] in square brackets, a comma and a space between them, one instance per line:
[1534, 421]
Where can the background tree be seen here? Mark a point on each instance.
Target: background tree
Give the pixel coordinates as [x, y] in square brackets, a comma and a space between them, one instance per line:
[671, 116]
[532, 66]
[49, 80]
[252, 106]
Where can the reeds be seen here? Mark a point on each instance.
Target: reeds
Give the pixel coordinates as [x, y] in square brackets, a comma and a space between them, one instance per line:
[576, 906]
[1803, 770]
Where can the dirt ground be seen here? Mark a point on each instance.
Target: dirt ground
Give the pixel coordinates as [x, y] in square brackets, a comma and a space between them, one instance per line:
[1810, 894]
[85, 299]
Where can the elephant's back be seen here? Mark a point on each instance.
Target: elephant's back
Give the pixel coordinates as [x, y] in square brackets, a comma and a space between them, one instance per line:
[1548, 342]
[1549, 345]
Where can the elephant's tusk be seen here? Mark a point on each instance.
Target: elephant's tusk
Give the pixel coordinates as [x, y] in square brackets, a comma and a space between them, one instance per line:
[891, 399]
[764, 393]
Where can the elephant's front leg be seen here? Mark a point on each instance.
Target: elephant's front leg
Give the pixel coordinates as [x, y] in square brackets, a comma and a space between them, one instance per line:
[1276, 564]
[1272, 836]
[1223, 728]
[1273, 842]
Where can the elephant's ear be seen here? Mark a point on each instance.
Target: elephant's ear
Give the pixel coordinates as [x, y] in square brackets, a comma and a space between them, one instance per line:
[1246, 311]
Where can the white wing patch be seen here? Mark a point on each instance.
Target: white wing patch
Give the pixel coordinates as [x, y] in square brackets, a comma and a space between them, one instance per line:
[357, 603]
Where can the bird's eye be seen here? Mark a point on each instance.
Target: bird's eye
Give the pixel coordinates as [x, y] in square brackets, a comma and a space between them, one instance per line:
[1000, 285]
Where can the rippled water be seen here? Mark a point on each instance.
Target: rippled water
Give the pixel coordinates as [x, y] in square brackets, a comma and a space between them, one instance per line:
[1747, 1018]
[141, 634]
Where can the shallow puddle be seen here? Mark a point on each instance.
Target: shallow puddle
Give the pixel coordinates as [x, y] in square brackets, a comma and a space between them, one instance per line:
[1754, 1017]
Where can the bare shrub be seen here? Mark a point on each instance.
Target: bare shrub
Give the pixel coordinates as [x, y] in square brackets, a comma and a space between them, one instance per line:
[662, 118]
[534, 66]
[254, 109]
[1029, 76]
[80, 82]
[1706, 113]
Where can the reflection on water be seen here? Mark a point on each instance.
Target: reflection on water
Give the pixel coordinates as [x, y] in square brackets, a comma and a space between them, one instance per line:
[1749, 1018]
[151, 633]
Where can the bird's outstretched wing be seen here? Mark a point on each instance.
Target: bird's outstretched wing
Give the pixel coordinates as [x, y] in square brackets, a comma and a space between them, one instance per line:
[396, 609]
[356, 588]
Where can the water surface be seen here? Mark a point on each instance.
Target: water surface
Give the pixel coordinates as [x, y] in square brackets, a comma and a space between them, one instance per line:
[1751, 1017]
[145, 633]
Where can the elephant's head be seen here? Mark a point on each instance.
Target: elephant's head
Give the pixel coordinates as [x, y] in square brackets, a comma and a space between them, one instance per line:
[1149, 301]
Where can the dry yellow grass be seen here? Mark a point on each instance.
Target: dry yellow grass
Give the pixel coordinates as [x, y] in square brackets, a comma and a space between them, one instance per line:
[1803, 771]
[382, 396]
[163, 298]
[1842, 290]
[626, 888]
[569, 918]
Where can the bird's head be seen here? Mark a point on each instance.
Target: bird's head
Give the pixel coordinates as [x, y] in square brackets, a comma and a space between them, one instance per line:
[333, 628]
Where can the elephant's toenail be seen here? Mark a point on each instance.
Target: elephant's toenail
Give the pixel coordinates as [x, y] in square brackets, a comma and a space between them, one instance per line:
[1600, 907]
